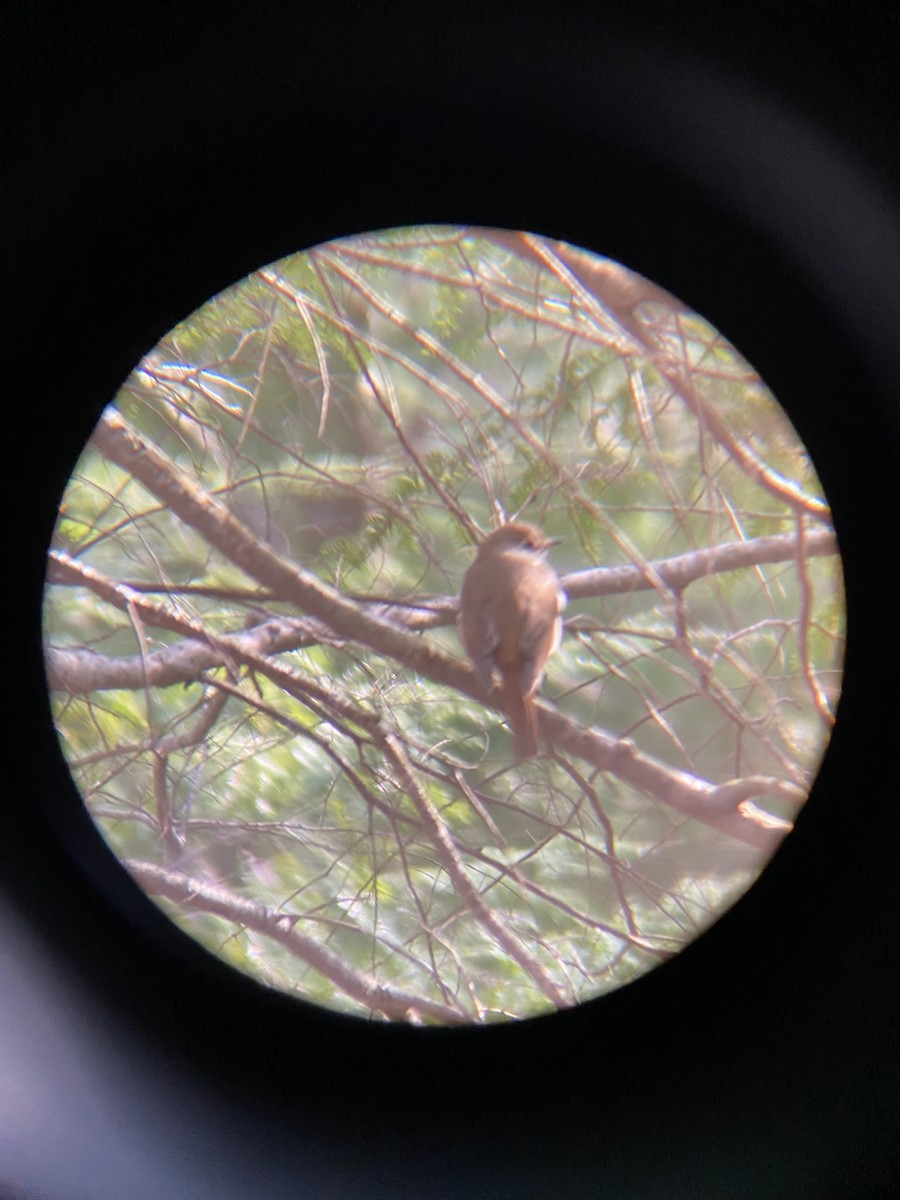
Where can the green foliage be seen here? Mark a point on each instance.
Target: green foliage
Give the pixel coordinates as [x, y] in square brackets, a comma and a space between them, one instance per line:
[362, 411]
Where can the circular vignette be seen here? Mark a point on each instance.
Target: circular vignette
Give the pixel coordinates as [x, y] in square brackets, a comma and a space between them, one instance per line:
[251, 607]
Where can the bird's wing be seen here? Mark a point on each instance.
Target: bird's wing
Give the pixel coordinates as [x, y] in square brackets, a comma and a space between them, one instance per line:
[481, 638]
[536, 641]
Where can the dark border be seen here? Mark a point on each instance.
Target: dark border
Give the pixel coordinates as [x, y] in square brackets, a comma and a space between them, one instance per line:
[165, 160]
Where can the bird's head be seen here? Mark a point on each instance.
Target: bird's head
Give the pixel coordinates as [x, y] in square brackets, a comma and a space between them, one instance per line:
[517, 535]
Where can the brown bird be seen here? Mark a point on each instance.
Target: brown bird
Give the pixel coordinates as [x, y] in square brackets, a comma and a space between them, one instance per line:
[509, 620]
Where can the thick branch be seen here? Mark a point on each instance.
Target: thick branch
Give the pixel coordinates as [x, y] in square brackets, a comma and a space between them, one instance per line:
[677, 572]
[622, 292]
[687, 793]
[683, 569]
[74, 669]
[713, 804]
[226, 533]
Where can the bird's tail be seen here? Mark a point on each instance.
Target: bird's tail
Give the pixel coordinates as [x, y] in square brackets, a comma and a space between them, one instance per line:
[519, 707]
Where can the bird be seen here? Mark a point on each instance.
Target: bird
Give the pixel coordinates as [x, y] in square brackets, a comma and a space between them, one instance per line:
[509, 621]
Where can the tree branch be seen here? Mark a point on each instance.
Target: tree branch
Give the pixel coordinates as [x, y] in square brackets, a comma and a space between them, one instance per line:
[455, 868]
[281, 927]
[682, 791]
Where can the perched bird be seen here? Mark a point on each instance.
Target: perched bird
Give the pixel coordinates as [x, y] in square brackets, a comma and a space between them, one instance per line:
[509, 620]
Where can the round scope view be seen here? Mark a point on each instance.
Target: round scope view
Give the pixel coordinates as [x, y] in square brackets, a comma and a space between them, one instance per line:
[444, 625]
